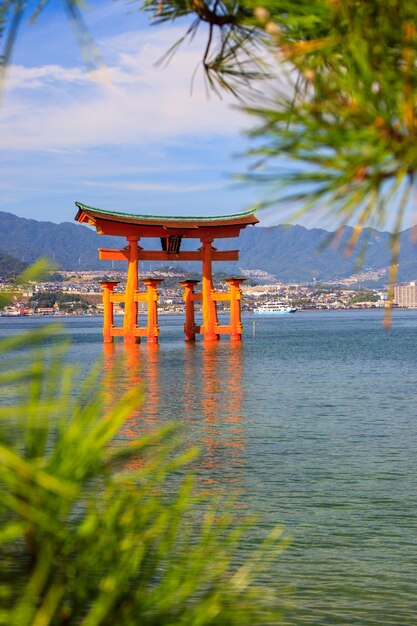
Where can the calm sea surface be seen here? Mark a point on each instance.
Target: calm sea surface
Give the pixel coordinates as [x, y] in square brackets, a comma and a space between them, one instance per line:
[312, 422]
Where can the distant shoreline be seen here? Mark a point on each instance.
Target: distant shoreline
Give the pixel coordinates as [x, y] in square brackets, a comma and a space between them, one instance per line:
[244, 313]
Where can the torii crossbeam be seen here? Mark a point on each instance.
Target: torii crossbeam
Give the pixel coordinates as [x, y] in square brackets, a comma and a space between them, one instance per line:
[171, 231]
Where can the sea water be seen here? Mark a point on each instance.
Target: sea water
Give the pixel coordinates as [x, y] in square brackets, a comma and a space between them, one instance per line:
[310, 422]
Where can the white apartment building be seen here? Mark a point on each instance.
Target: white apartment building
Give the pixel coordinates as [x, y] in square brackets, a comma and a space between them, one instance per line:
[406, 295]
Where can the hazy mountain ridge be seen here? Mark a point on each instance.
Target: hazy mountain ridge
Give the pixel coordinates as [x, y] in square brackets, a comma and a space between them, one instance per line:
[291, 253]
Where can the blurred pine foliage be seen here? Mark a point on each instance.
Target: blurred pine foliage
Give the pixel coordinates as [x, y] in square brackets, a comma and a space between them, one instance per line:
[98, 534]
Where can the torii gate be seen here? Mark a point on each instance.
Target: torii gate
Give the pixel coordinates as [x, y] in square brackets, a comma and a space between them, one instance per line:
[171, 231]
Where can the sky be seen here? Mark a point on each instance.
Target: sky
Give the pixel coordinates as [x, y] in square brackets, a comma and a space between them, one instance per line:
[132, 137]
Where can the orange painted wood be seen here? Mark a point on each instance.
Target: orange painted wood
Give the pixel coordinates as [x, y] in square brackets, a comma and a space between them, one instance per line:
[159, 255]
[152, 298]
[223, 330]
[189, 326]
[117, 297]
[117, 229]
[187, 255]
[236, 327]
[108, 323]
[91, 214]
[108, 254]
[121, 297]
[218, 296]
[207, 287]
[131, 307]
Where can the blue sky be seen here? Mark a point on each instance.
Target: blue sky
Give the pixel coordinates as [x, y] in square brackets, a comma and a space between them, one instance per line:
[129, 137]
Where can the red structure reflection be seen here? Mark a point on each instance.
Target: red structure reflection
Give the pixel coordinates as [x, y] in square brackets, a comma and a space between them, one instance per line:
[223, 434]
[208, 402]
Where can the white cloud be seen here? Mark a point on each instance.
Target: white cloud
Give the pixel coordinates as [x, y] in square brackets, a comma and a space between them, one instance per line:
[129, 102]
[21, 77]
[160, 187]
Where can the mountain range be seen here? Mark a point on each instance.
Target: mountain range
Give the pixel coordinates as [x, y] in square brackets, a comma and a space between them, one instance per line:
[289, 253]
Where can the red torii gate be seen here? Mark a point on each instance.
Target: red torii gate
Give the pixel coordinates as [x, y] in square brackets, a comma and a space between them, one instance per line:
[171, 231]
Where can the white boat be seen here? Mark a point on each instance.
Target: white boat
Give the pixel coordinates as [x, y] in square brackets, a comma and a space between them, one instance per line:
[274, 308]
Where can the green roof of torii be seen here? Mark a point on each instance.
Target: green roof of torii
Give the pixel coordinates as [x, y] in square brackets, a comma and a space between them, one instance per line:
[245, 218]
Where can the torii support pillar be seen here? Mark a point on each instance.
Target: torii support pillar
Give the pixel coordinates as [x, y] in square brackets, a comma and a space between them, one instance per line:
[189, 326]
[108, 321]
[131, 306]
[152, 301]
[210, 321]
[236, 326]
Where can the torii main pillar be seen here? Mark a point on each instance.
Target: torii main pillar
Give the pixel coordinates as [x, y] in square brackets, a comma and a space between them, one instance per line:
[210, 321]
[130, 323]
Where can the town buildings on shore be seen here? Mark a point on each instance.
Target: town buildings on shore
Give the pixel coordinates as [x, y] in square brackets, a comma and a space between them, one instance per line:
[406, 295]
[79, 292]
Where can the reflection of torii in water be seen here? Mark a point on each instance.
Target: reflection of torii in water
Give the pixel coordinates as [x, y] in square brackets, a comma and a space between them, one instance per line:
[124, 369]
[171, 231]
[128, 367]
[214, 414]
[212, 419]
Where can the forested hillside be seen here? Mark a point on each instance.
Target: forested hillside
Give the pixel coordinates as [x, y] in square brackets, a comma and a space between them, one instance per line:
[291, 253]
